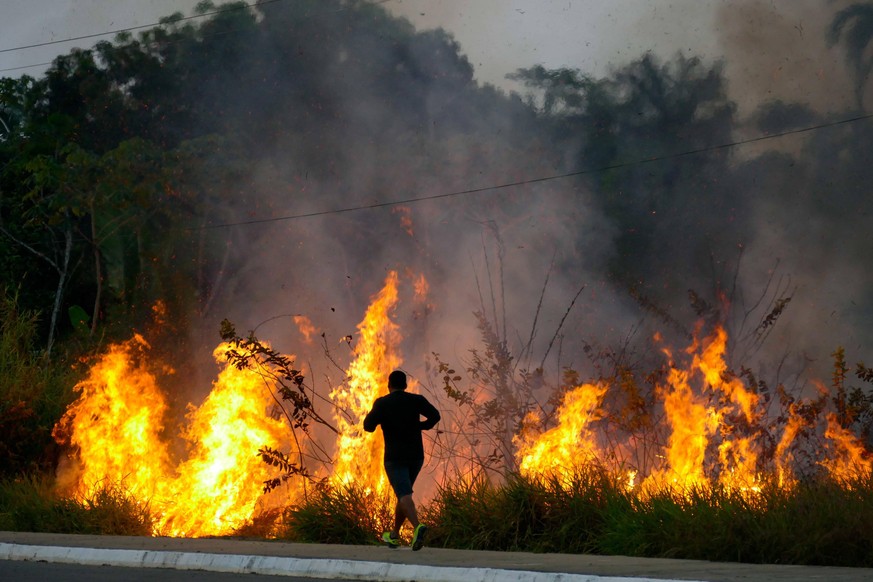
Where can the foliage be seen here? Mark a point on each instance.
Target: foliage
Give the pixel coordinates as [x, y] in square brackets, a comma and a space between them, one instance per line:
[818, 523]
[853, 404]
[520, 514]
[33, 392]
[279, 374]
[337, 515]
[853, 26]
[618, 128]
[31, 504]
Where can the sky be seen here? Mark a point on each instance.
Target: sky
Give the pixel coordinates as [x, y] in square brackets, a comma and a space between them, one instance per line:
[773, 50]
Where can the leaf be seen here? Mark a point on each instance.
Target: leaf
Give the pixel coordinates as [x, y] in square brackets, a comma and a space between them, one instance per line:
[79, 319]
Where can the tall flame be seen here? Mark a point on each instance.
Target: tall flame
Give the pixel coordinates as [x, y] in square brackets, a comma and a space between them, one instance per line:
[220, 484]
[851, 460]
[569, 445]
[116, 423]
[117, 426]
[358, 453]
[692, 424]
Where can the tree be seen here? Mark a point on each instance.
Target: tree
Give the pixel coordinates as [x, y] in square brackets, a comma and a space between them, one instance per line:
[629, 133]
[854, 27]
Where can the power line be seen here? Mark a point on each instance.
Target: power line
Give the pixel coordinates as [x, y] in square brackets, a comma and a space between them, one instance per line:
[98, 34]
[25, 67]
[542, 178]
[128, 29]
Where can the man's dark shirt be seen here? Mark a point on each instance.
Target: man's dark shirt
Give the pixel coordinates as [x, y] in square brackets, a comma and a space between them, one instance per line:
[400, 413]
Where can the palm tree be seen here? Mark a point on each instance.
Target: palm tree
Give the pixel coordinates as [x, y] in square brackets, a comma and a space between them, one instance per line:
[854, 27]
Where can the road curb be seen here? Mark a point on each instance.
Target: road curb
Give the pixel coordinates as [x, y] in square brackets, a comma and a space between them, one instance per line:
[286, 566]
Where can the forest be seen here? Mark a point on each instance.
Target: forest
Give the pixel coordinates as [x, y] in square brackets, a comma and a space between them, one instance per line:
[271, 166]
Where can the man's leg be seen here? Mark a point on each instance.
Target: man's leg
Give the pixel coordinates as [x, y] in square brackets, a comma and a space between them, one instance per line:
[406, 509]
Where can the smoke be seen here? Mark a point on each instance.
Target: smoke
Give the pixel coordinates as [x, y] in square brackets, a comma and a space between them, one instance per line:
[405, 119]
[808, 205]
[779, 52]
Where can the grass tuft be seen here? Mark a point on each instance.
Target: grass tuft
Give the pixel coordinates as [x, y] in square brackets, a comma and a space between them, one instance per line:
[31, 504]
[337, 515]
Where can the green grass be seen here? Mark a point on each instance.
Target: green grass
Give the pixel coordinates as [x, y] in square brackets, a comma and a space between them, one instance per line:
[31, 504]
[819, 522]
[337, 515]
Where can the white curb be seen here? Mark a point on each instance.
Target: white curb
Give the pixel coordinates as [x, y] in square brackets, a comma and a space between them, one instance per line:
[282, 566]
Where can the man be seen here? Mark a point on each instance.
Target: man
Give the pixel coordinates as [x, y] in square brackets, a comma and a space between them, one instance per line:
[399, 412]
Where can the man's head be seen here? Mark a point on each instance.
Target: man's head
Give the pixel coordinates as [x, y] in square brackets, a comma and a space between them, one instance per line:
[396, 380]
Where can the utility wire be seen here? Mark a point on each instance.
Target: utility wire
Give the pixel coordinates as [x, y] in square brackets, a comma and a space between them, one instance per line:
[25, 67]
[120, 30]
[106, 33]
[470, 191]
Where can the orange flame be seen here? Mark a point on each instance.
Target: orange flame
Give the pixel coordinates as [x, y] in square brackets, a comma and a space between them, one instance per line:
[694, 422]
[565, 448]
[218, 488]
[783, 457]
[117, 424]
[422, 288]
[305, 326]
[118, 427]
[405, 218]
[358, 453]
[850, 461]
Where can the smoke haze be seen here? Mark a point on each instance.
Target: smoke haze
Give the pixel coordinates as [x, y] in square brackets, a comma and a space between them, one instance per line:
[425, 127]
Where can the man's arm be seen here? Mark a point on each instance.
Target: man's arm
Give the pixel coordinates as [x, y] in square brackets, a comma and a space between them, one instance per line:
[430, 413]
[372, 420]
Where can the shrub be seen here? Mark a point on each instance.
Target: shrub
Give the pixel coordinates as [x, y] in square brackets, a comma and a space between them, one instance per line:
[337, 515]
[31, 504]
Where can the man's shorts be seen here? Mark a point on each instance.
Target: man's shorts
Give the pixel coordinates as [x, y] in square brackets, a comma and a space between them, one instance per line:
[402, 476]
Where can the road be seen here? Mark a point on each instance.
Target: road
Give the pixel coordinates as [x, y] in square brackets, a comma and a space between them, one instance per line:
[167, 556]
[20, 571]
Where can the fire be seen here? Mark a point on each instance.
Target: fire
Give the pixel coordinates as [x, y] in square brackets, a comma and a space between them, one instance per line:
[692, 424]
[117, 425]
[405, 218]
[218, 488]
[697, 416]
[358, 453]
[305, 326]
[783, 456]
[120, 431]
[422, 288]
[569, 445]
[850, 461]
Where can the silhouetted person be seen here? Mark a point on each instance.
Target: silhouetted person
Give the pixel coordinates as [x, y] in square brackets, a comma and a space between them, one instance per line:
[399, 413]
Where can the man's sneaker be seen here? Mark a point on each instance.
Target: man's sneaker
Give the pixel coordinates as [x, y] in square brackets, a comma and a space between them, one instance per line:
[390, 540]
[418, 537]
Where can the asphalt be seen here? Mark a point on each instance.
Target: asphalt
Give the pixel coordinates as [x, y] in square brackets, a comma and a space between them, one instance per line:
[384, 564]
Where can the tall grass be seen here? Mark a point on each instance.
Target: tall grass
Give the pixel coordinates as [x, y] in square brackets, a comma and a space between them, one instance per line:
[814, 522]
[31, 504]
[541, 515]
[337, 515]
[817, 522]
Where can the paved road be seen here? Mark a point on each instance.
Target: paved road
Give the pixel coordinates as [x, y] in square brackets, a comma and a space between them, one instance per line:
[379, 563]
[21, 571]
